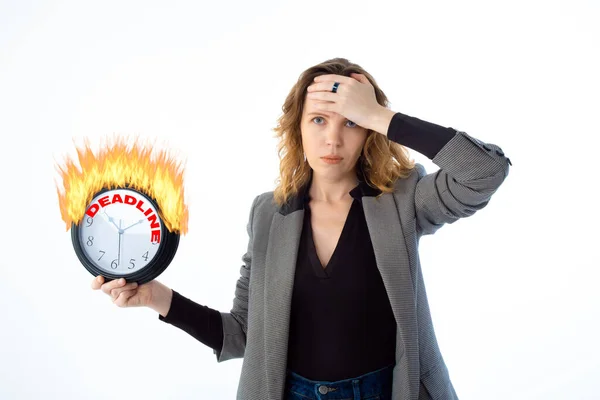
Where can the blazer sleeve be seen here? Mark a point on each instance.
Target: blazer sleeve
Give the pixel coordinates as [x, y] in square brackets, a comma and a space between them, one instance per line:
[235, 322]
[470, 172]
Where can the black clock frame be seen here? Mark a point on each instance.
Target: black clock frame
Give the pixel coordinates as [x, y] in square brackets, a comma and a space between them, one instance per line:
[166, 251]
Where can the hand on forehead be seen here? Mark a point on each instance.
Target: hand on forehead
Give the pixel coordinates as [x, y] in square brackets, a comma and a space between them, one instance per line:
[354, 98]
[310, 108]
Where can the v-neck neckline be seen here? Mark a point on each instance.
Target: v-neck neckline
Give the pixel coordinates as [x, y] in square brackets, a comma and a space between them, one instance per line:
[327, 271]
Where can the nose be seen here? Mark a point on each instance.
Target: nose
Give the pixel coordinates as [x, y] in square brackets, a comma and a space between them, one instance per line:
[333, 135]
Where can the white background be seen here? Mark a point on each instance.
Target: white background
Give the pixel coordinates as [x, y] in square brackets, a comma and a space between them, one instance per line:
[513, 289]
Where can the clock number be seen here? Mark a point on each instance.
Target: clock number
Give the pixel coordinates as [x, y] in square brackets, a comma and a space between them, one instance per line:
[145, 256]
[90, 221]
[114, 264]
[131, 262]
[103, 252]
[90, 240]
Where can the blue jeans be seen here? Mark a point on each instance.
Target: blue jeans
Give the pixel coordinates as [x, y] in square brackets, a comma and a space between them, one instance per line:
[376, 385]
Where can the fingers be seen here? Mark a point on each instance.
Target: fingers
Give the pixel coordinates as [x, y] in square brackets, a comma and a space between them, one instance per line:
[123, 298]
[114, 293]
[97, 282]
[108, 286]
[118, 289]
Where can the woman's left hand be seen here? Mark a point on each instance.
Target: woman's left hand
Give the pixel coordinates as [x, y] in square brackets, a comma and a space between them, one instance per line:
[354, 99]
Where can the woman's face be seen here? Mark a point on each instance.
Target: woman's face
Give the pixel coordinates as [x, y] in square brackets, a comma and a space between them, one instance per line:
[326, 133]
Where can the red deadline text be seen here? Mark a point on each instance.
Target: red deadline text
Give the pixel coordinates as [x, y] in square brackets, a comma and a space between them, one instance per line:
[132, 201]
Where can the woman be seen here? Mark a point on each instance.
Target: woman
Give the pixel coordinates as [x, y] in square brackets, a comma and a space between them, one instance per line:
[331, 302]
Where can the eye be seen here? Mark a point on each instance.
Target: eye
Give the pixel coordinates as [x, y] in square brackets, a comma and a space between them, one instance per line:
[348, 121]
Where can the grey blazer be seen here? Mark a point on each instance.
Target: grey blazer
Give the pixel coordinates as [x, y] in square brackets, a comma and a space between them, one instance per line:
[256, 328]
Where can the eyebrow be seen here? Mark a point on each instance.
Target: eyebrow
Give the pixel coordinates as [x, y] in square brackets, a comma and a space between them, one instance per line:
[317, 113]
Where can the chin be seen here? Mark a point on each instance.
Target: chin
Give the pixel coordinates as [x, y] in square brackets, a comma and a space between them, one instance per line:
[330, 172]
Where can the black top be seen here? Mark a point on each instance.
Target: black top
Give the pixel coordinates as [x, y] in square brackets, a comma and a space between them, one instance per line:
[341, 321]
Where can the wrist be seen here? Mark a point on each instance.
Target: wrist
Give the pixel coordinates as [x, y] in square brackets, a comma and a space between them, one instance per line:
[381, 119]
[162, 297]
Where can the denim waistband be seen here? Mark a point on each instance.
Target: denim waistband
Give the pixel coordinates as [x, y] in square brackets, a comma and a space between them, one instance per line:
[370, 384]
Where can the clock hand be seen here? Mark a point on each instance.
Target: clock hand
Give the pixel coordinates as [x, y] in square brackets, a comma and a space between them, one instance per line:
[120, 233]
[111, 220]
[139, 222]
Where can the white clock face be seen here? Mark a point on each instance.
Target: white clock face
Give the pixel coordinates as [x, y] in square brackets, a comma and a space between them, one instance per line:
[120, 231]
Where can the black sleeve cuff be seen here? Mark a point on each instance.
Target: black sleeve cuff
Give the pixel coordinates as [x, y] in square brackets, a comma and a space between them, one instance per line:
[201, 322]
[425, 137]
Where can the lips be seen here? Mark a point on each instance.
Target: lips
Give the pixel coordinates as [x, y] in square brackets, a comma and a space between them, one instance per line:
[334, 158]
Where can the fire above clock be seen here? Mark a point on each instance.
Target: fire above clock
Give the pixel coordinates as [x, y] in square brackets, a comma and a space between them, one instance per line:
[125, 210]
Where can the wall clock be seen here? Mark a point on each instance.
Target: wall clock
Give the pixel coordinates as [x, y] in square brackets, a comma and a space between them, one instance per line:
[122, 235]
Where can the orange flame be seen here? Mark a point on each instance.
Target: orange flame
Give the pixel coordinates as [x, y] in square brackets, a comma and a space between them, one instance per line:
[159, 177]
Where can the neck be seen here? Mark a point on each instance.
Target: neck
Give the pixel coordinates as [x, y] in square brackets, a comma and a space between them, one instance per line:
[332, 191]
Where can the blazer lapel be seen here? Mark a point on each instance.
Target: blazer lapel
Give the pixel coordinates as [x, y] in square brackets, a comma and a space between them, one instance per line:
[282, 251]
[391, 256]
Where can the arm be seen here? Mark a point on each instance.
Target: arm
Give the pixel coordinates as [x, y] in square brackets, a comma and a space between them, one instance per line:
[470, 170]
[201, 322]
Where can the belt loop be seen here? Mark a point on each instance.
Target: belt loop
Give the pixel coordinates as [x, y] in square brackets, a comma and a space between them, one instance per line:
[356, 388]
